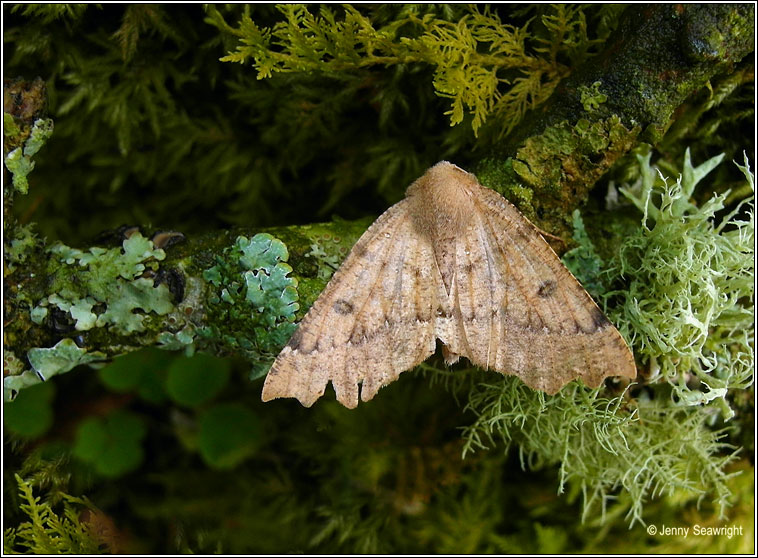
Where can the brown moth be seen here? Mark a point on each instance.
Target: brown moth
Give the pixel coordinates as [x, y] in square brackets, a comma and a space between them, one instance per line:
[453, 261]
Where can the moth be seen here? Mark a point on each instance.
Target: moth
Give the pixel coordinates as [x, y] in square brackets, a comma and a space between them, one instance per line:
[453, 261]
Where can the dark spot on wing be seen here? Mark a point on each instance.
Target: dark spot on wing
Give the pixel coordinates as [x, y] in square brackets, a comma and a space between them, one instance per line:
[546, 288]
[343, 307]
[359, 249]
[295, 340]
[599, 319]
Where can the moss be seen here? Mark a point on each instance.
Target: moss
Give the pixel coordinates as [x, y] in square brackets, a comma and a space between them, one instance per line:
[583, 261]
[559, 166]
[45, 532]
[486, 69]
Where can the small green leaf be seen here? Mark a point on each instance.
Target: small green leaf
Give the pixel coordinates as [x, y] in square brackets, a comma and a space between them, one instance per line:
[30, 415]
[193, 381]
[111, 445]
[229, 434]
[140, 371]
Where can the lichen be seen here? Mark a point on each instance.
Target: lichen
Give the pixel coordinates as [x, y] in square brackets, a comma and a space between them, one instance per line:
[687, 306]
[680, 290]
[48, 362]
[253, 298]
[591, 97]
[108, 289]
[602, 444]
[23, 243]
[19, 161]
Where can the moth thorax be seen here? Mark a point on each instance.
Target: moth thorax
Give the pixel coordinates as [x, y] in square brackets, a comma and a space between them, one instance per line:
[442, 200]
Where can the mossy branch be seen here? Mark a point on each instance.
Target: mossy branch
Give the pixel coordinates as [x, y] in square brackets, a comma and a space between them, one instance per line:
[659, 56]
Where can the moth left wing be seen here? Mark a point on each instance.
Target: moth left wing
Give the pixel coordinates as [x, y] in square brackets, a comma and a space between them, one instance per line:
[374, 320]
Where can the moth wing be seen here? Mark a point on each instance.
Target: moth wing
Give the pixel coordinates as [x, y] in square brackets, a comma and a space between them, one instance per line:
[374, 319]
[520, 311]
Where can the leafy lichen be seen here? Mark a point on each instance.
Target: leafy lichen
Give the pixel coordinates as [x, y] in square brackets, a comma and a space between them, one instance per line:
[253, 296]
[19, 161]
[108, 289]
[48, 362]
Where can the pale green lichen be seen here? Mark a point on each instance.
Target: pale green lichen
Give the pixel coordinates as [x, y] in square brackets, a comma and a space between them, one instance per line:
[10, 129]
[591, 97]
[603, 444]
[22, 244]
[19, 161]
[683, 287]
[327, 264]
[255, 299]
[183, 339]
[107, 279]
[48, 362]
[688, 305]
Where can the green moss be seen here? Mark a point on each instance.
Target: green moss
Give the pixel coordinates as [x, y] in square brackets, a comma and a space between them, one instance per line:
[583, 261]
[45, 532]
[561, 152]
[486, 69]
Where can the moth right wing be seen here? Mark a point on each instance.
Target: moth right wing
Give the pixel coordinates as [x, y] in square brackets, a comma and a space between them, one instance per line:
[520, 311]
[374, 319]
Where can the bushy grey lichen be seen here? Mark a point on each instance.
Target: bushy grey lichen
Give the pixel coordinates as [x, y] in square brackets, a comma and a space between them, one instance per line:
[680, 289]
[687, 305]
